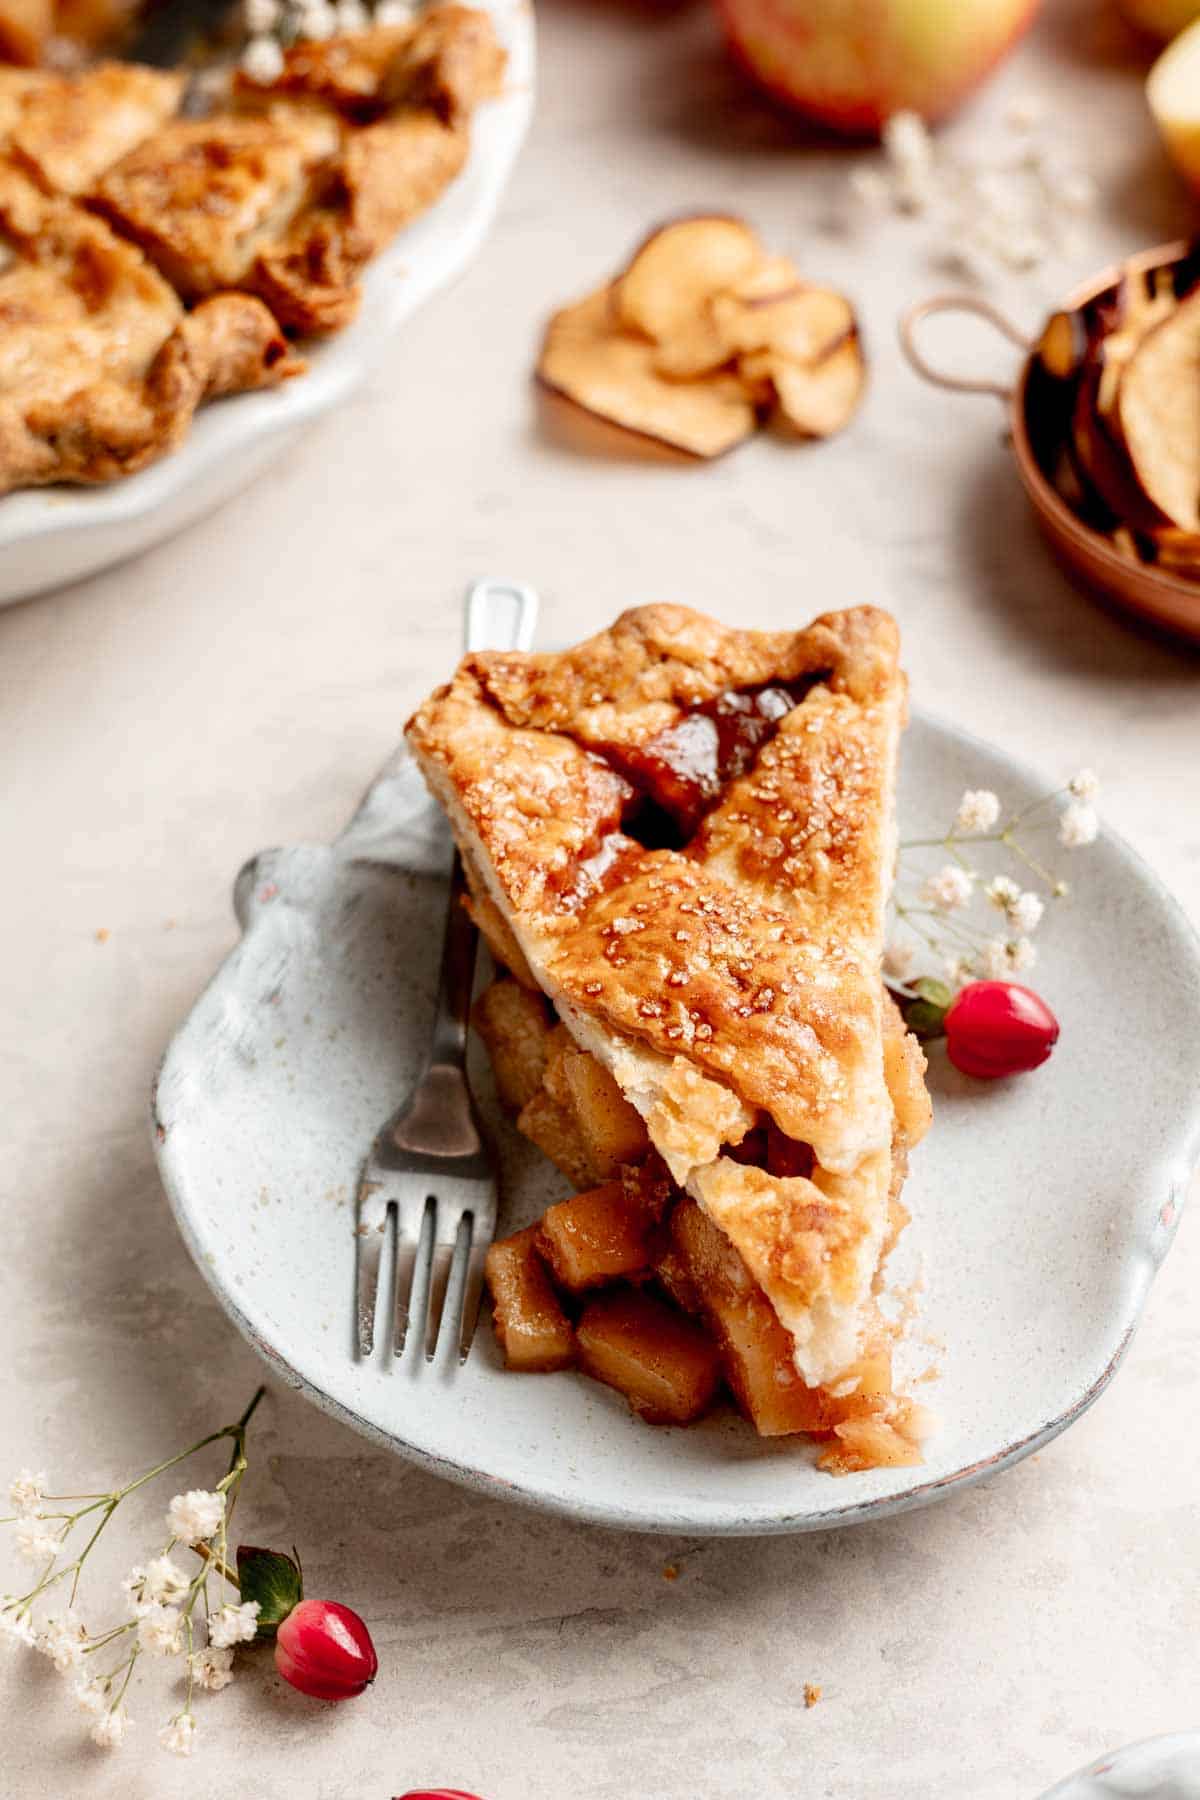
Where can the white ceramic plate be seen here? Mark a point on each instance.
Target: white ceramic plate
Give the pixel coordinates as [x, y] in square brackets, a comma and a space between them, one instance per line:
[1161, 1768]
[1043, 1205]
[53, 535]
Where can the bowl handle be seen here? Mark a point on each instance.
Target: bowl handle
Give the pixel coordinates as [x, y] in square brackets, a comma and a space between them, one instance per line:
[944, 303]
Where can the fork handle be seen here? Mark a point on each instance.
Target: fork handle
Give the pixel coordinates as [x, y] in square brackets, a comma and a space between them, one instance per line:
[457, 978]
[499, 615]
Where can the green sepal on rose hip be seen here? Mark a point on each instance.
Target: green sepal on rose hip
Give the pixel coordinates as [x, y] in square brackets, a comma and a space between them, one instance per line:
[924, 1009]
[274, 1579]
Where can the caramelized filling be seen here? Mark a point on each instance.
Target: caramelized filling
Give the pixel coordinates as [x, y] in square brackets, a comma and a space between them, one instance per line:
[676, 777]
[680, 774]
[768, 1148]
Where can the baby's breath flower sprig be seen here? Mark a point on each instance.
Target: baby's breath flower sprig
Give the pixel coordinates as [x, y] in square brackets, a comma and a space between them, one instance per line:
[171, 1611]
[272, 26]
[940, 912]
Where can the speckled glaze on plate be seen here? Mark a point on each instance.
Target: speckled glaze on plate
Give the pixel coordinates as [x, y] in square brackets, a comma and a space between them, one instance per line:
[1161, 1768]
[1043, 1205]
[52, 535]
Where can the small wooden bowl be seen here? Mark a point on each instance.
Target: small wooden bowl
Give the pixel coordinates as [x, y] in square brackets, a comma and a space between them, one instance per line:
[1037, 425]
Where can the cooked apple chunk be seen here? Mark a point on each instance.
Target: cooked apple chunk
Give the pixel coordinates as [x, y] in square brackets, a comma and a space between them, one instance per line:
[666, 1368]
[868, 1443]
[606, 1234]
[587, 358]
[497, 934]
[615, 1130]
[756, 1351]
[531, 1327]
[515, 1026]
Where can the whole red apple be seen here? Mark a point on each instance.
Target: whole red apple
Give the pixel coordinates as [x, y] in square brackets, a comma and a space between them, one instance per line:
[851, 64]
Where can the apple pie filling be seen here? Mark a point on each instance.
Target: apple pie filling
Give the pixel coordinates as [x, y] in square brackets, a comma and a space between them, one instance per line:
[629, 1281]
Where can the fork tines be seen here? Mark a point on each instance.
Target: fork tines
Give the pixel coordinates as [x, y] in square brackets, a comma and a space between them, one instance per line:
[438, 1255]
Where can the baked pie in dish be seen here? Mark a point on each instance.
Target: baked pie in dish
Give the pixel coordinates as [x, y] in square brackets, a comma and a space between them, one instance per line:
[679, 842]
[151, 261]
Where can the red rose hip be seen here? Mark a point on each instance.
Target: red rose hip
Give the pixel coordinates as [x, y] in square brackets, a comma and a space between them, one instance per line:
[325, 1650]
[996, 1028]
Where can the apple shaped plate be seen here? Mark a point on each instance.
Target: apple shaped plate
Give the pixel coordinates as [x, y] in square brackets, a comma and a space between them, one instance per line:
[53, 535]
[1042, 1205]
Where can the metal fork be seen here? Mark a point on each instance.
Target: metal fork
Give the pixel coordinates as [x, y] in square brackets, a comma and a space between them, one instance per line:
[430, 1164]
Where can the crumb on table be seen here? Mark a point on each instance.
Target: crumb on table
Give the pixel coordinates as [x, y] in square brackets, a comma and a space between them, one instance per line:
[102, 934]
[812, 1693]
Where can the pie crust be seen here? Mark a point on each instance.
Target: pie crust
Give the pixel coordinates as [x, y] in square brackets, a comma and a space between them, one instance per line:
[292, 194]
[687, 832]
[100, 368]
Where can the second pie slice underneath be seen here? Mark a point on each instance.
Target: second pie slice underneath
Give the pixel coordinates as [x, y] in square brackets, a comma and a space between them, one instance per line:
[679, 840]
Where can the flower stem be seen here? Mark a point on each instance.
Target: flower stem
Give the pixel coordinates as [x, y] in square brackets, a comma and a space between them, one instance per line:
[217, 1563]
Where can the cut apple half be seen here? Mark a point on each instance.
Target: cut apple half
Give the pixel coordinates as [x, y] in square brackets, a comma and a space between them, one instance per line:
[1158, 409]
[678, 268]
[590, 360]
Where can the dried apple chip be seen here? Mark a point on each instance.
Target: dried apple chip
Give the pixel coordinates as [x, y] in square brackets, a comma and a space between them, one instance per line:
[769, 309]
[1062, 345]
[804, 323]
[1102, 462]
[590, 360]
[815, 399]
[1158, 408]
[1177, 551]
[678, 268]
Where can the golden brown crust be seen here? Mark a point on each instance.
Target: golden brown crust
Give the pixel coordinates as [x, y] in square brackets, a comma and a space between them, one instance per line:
[737, 974]
[100, 369]
[451, 64]
[449, 61]
[386, 175]
[755, 951]
[204, 197]
[345, 72]
[67, 131]
[284, 198]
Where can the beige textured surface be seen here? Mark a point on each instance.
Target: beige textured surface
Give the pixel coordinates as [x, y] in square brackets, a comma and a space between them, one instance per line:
[239, 686]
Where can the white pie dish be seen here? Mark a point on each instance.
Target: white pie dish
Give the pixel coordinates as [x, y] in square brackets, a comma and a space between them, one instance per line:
[1043, 1206]
[1159, 1768]
[53, 535]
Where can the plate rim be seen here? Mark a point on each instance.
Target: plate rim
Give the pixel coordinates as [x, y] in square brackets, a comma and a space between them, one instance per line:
[1176, 1165]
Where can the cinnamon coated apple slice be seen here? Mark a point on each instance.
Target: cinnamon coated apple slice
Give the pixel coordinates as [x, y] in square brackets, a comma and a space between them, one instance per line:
[588, 358]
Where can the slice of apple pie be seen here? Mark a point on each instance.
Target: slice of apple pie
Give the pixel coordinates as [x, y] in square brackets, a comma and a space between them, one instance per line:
[679, 840]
